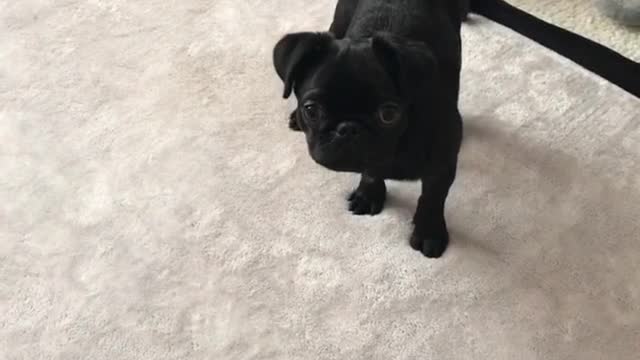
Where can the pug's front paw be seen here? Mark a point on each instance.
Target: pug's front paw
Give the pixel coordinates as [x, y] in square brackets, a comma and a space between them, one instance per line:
[431, 244]
[368, 198]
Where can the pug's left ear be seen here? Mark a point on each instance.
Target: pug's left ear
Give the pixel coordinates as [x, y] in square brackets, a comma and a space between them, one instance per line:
[410, 63]
[295, 52]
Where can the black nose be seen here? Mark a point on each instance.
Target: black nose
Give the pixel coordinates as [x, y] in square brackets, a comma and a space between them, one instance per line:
[347, 129]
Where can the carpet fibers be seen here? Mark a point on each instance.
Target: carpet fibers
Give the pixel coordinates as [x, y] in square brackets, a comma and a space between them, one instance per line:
[584, 18]
[154, 204]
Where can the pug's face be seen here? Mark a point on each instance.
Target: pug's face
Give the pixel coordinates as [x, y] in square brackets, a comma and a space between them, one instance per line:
[353, 96]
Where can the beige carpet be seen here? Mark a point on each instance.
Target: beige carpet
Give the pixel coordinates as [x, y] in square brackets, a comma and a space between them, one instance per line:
[154, 204]
[582, 17]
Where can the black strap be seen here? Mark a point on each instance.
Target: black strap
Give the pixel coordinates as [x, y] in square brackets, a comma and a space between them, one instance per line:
[594, 57]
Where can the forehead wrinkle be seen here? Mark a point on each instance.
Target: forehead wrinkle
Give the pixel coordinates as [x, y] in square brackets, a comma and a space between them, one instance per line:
[352, 80]
[361, 81]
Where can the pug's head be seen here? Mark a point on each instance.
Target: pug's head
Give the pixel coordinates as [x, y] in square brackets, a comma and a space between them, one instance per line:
[356, 98]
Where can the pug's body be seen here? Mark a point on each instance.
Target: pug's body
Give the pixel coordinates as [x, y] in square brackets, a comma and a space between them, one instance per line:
[378, 95]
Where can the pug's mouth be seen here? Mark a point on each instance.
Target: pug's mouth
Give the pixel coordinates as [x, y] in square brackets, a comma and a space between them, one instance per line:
[337, 155]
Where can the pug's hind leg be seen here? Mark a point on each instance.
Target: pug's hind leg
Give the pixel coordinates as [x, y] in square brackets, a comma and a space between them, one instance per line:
[293, 122]
[369, 197]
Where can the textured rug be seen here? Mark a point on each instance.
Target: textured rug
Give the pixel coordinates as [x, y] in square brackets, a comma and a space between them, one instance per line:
[154, 204]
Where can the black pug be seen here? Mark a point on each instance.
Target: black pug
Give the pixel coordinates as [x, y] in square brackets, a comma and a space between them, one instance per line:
[378, 95]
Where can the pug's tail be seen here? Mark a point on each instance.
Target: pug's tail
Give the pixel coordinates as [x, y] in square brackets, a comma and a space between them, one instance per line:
[594, 57]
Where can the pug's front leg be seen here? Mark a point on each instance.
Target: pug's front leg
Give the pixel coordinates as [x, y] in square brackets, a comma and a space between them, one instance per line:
[369, 197]
[430, 235]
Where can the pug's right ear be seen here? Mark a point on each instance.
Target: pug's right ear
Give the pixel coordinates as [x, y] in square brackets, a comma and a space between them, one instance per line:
[296, 52]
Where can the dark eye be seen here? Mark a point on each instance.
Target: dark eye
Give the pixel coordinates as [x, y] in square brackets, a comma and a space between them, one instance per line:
[389, 114]
[311, 111]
